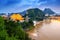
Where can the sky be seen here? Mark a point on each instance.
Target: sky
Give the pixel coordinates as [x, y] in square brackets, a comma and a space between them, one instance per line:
[13, 6]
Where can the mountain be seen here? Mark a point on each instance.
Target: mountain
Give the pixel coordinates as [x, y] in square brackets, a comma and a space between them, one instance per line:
[23, 13]
[49, 11]
[35, 14]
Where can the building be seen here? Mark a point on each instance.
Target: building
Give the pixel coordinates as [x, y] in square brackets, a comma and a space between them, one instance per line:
[35, 22]
[17, 17]
[27, 18]
[3, 15]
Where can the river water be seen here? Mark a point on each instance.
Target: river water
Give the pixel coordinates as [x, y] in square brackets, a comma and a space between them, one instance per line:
[47, 30]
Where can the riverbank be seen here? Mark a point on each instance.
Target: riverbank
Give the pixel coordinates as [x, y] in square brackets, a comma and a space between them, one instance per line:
[47, 30]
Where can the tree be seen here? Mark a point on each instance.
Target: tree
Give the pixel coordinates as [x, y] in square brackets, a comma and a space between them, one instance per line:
[15, 30]
[10, 30]
[36, 14]
[3, 35]
[3, 32]
[1, 23]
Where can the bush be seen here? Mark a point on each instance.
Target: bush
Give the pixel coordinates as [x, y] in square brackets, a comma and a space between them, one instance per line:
[15, 29]
[10, 30]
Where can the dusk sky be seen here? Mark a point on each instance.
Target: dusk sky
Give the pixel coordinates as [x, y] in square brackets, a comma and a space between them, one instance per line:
[9, 6]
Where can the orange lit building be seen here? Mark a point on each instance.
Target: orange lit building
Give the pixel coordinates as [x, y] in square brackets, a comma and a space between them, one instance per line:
[16, 17]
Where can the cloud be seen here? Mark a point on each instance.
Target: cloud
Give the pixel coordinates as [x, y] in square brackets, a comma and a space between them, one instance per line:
[14, 5]
[19, 5]
[31, 3]
[8, 2]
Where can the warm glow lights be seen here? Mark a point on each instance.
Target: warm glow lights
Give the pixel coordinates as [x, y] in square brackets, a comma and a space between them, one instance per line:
[55, 20]
[16, 17]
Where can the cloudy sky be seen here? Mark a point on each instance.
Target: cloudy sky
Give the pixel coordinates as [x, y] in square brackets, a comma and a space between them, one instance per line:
[9, 6]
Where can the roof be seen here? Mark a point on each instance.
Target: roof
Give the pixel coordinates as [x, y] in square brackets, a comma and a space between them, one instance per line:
[16, 17]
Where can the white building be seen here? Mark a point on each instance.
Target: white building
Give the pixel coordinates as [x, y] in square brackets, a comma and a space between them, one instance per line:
[34, 23]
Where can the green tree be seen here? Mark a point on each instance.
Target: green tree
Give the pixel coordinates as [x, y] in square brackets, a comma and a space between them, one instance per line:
[10, 30]
[3, 35]
[35, 14]
[3, 32]
[1, 23]
[15, 30]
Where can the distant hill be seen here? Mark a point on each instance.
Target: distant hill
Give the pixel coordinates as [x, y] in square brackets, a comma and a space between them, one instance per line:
[35, 14]
[23, 13]
[2, 14]
[49, 11]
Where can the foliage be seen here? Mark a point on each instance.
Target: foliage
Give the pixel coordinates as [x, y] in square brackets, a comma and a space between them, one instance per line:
[3, 34]
[27, 25]
[35, 14]
[1, 23]
[10, 30]
[15, 29]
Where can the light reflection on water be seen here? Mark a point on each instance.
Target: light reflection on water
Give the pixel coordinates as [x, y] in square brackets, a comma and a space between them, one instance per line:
[47, 31]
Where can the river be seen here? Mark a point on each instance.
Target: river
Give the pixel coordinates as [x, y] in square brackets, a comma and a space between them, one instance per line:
[47, 30]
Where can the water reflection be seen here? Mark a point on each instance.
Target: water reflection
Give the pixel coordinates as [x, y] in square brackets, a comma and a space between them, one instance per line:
[47, 30]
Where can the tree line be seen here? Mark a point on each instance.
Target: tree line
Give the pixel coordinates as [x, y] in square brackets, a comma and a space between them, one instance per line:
[11, 30]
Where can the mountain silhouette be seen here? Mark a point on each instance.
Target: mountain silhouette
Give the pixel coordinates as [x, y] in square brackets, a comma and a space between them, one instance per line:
[35, 14]
[48, 11]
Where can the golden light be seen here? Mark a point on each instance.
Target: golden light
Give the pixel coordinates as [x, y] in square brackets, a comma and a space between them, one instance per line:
[16, 17]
